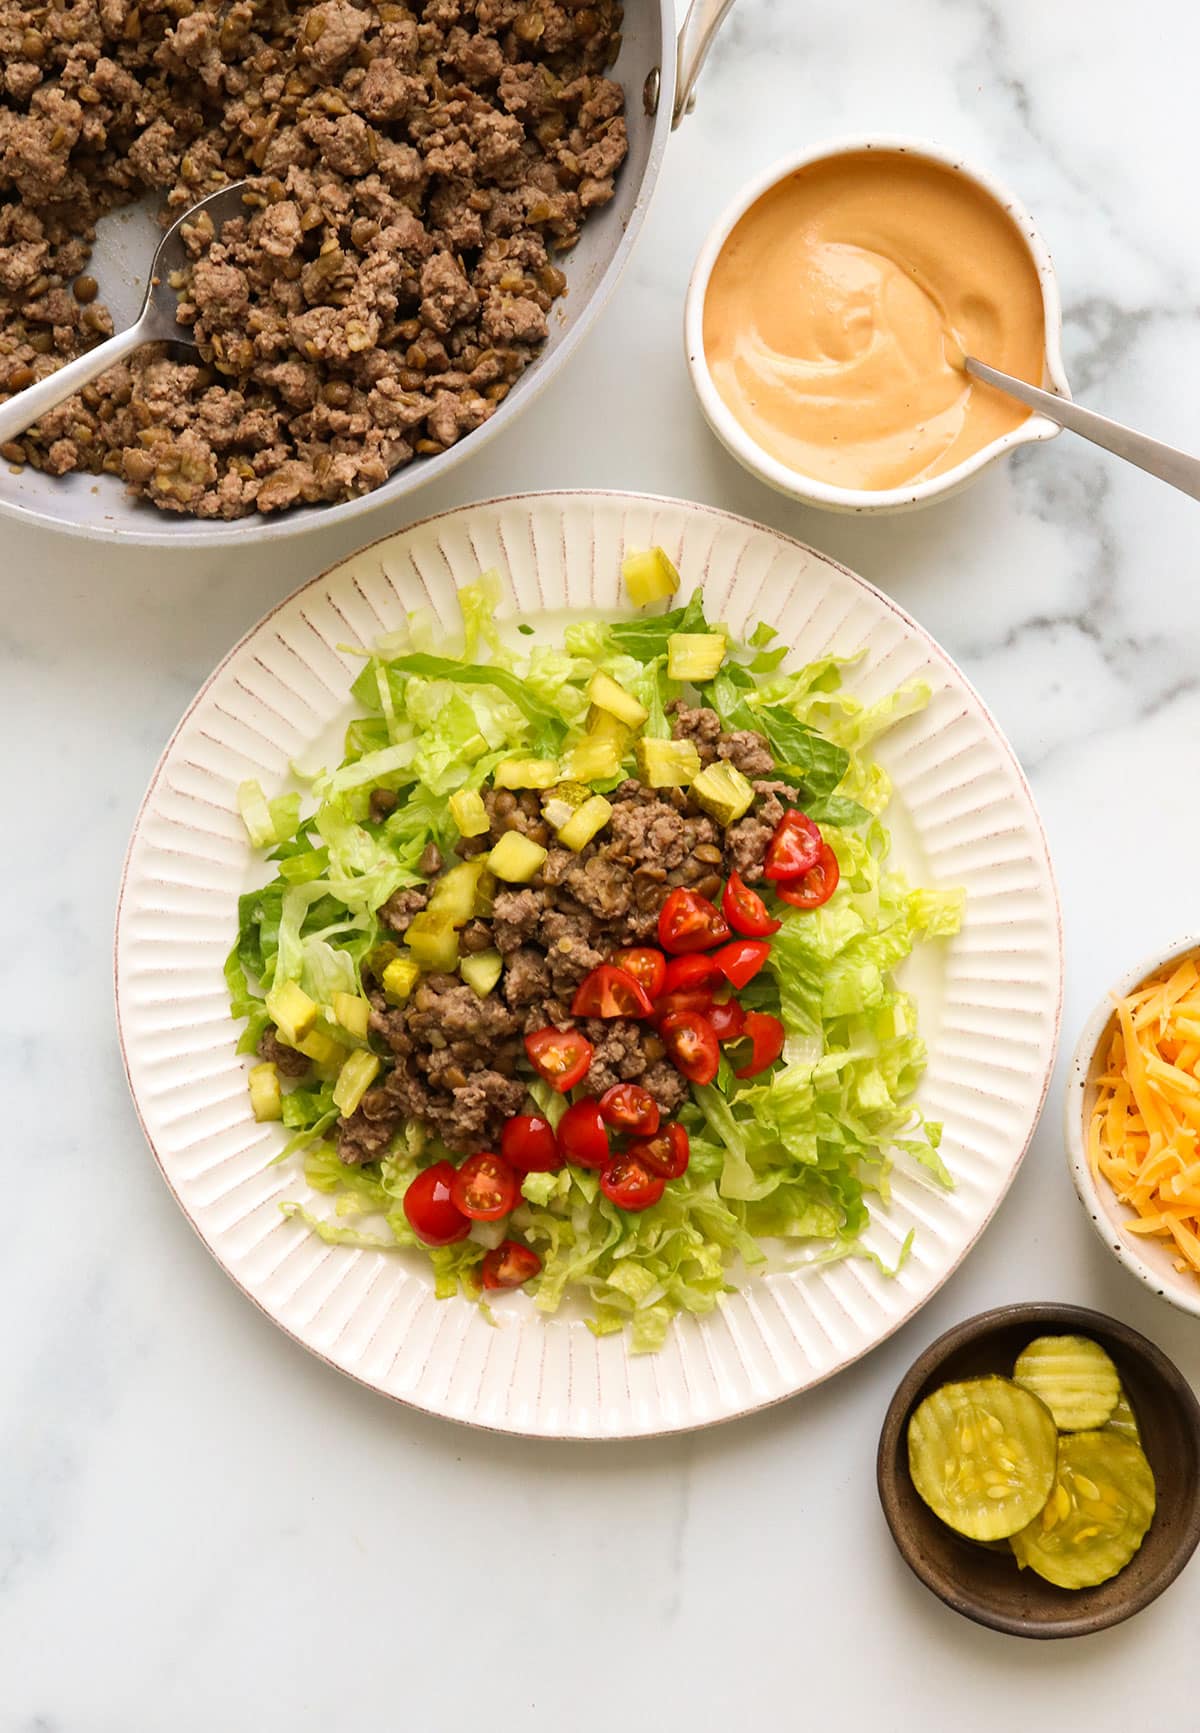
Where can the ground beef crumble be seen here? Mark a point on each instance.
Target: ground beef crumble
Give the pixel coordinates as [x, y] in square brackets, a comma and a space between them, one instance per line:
[413, 169]
[457, 1057]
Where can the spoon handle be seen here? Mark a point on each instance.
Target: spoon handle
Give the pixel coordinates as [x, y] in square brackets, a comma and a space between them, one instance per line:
[21, 411]
[1166, 462]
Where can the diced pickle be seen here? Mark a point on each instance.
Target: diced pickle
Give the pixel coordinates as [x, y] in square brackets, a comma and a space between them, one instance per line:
[982, 1455]
[592, 761]
[352, 1013]
[694, 656]
[515, 859]
[1074, 1378]
[723, 792]
[354, 1079]
[606, 694]
[292, 1012]
[322, 1049]
[649, 576]
[603, 725]
[667, 763]
[266, 1097]
[469, 813]
[399, 979]
[456, 893]
[433, 941]
[481, 970]
[1096, 1518]
[583, 824]
[526, 773]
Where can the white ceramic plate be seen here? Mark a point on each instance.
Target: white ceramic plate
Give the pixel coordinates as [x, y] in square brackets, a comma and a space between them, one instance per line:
[989, 999]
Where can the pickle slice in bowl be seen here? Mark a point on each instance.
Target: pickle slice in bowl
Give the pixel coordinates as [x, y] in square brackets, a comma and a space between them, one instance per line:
[982, 1455]
[1074, 1377]
[1096, 1517]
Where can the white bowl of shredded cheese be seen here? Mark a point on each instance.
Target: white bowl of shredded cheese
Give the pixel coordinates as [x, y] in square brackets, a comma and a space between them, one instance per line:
[1133, 1122]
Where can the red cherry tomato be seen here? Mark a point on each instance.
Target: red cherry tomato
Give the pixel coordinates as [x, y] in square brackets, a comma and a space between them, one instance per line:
[646, 965]
[767, 1036]
[691, 1044]
[609, 992]
[817, 885]
[728, 1019]
[559, 1056]
[745, 910]
[667, 1153]
[684, 973]
[528, 1144]
[509, 1264]
[485, 1188]
[629, 1107]
[794, 848]
[740, 961]
[583, 1135]
[629, 1185]
[698, 999]
[689, 922]
[432, 1213]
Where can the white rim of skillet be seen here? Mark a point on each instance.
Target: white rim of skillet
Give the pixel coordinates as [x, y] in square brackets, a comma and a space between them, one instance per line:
[1104, 1210]
[793, 482]
[1002, 744]
[156, 531]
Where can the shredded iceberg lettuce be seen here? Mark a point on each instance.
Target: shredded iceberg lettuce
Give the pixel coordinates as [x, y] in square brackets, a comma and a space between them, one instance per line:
[792, 1156]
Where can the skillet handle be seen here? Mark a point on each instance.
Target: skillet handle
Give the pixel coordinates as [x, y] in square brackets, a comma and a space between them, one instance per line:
[704, 19]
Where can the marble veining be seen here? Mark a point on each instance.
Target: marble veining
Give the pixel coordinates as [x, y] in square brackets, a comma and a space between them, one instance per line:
[201, 1527]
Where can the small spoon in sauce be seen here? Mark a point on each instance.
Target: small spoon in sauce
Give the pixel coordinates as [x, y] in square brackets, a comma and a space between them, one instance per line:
[1178, 468]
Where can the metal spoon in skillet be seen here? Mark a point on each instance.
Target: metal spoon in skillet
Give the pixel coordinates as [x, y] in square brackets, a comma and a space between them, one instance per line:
[1170, 465]
[156, 323]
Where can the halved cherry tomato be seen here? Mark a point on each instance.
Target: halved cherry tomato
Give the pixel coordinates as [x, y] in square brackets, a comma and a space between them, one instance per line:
[727, 1018]
[767, 1035]
[817, 885]
[697, 999]
[629, 1107]
[432, 1213]
[559, 1056]
[629, 1185]
[646, 965]
[609, 992]
[794, 848]
[528, 1144]
[485, 1188]
[691, 1044]
[689, 922]
[741, 961]
[667, 1153]
[509, 1264]
[583, 1135]
[688, 972]
[745, 910]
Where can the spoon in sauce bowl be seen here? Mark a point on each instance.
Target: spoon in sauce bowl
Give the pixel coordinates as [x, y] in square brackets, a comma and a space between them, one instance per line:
[1177, 468]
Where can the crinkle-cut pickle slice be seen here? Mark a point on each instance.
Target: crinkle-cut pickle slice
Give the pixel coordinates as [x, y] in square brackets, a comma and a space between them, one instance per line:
[1123, 1420]
[1097, 1515]
[1074, 1378]
[982, 1455]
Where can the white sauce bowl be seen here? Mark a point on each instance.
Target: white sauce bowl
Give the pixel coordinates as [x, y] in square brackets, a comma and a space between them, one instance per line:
[778, 475]
[1150, 1259]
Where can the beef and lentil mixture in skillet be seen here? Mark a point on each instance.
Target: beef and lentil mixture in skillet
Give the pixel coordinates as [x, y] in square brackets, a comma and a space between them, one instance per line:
[455, 1054]
[415, 170]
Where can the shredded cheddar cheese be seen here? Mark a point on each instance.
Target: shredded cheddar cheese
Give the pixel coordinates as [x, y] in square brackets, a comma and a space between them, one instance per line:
[1144, 1133]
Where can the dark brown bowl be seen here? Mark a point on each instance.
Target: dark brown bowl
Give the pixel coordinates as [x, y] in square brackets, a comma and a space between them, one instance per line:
[984, 1584]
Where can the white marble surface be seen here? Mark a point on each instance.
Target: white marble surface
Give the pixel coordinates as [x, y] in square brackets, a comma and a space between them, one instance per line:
[200, 1527]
